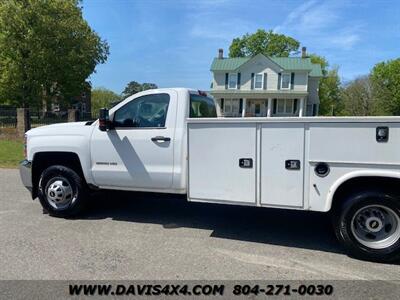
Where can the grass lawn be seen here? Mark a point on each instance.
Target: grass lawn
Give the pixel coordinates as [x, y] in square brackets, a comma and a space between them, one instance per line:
[11, 153]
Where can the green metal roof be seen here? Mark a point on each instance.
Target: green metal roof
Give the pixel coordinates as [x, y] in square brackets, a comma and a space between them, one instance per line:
[316, 70]
[286, 63]
[293, 63]
[228, 64]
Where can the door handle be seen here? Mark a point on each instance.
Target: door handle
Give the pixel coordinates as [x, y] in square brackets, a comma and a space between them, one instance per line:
[160, 138]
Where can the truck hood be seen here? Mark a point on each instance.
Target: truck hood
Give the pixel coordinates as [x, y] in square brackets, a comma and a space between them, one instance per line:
[71, 128]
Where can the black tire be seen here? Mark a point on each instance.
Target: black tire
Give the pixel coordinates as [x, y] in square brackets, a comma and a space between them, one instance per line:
[347, 226]
[69, 184]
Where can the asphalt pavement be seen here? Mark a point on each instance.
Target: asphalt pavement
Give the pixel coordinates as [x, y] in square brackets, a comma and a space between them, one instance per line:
[152, 236]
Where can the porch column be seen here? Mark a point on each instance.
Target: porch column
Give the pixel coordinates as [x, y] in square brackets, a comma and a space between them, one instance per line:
[301, 113]
[244, 104]
[220, 111]
[269, 107]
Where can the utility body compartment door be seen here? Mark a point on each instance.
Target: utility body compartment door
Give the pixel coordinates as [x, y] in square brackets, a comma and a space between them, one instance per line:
[282, 164]
[249, 163]
[222, 162]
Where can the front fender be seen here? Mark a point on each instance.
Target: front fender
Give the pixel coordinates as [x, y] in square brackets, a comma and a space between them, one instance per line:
[77, 144]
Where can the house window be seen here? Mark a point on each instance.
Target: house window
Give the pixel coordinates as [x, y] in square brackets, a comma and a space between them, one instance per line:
[281, 107]
[314, 110]
[258, 81]
[286, 107]
[232, 83]
[285, 84]
[235, 107]
[231, 108]
[227, 107]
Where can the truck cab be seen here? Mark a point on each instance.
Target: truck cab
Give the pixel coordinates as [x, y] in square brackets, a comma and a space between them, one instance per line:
[146, 146]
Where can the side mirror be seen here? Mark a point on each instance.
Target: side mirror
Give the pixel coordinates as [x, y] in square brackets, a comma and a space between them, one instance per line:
[104, 119]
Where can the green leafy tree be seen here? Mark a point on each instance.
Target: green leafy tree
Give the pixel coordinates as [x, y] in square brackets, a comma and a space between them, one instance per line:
[134, 87]
[330, 94]
[385, 77]
[148, 86]
[329, 88]
[265, 42]
[317, 59]
[358, 98]
[131, 88]
[102, 97]
[47, 49]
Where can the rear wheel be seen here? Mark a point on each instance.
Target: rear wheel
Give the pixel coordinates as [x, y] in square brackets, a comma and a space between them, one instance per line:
[62, 192]
[368, 224]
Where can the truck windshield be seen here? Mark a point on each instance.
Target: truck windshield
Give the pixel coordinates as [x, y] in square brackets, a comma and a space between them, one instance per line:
[202, 107]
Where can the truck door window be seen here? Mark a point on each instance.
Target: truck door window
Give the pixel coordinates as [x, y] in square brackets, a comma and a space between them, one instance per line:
[202, 107]
[146, 111]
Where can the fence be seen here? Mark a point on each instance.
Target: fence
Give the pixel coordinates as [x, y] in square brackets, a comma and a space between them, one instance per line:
[8, 117]
[40, 118]
[88, 116]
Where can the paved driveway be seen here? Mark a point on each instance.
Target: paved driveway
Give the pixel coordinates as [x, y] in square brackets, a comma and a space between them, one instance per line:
[140, 236]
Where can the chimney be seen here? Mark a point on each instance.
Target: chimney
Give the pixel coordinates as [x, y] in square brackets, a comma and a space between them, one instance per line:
[220, 53]
[303, 52]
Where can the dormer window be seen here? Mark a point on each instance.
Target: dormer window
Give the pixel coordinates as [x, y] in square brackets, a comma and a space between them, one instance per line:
[285, 84]
[232, 83]
[258, 81]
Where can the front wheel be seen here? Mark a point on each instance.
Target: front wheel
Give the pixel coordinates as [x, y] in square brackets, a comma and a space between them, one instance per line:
[368, 224]
[62, 192]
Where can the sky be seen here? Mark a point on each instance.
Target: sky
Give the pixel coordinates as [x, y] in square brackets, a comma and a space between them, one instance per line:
[173, 42]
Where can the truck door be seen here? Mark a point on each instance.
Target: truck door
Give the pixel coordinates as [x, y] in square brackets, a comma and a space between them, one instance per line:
[138, 152]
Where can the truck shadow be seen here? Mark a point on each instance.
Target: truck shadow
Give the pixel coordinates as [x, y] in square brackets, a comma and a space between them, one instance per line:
[309, 230]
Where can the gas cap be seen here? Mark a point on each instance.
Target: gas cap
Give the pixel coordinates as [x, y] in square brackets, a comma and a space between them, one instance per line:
[321, 169]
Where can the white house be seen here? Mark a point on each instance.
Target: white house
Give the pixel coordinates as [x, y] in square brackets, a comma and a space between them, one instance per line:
[262, 86]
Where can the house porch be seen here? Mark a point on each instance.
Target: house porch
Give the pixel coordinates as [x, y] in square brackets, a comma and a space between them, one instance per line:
[267, 107]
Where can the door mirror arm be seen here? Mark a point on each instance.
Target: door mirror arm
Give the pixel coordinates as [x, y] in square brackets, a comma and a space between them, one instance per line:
[104, 120]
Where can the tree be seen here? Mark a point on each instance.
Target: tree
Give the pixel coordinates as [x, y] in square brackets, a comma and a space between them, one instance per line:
[317, 59]
[358, 98]
[148, 86]
[134, 87]
[385, 78]
[330, 94]
[265, 42]
[329, 88]
[131, 88]
[102, 97]
[47, 49]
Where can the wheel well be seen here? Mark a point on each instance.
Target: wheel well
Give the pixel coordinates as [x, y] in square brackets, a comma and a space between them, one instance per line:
[43, 160]
[362, 183]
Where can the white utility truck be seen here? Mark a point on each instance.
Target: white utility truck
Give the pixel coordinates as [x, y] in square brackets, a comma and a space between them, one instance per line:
[171, 141]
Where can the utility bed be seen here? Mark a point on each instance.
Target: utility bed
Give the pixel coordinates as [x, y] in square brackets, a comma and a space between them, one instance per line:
[271, 162]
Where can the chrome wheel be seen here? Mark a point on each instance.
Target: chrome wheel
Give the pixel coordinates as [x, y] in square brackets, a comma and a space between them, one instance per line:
[59, 193]
[376, 226]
